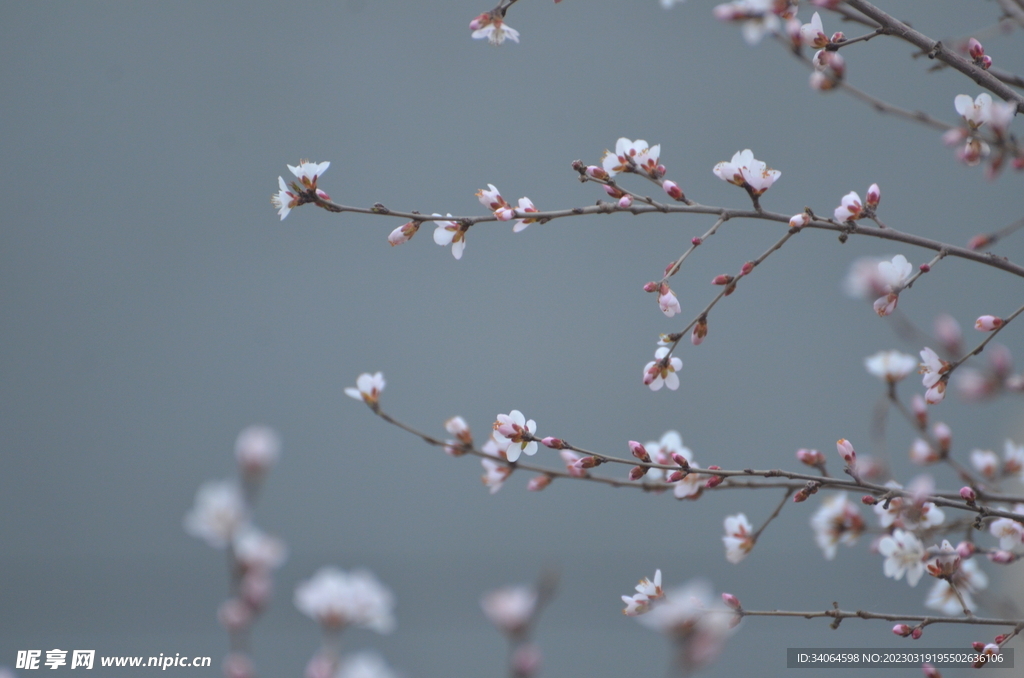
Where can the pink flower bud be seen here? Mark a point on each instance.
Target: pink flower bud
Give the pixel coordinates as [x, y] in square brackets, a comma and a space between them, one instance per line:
[404, 233]
[917, 633]
[234, 615]
[746, 268]
[553, 443]
[637, 472]
[968, 494]
[920, 409]
[480, 21]
[672, 189]
[1001, 557]
[588, 462]
[700, 330]
[683, 462]
[714, 481]
[978, 645]
[985, 62]
[675, 476]
[975, 49]
[625, 201]
[930, 671]
[810, 457]
[902, 630]
[845, 448]
[595, 172]
[504, 214]
[722, 279]
[873, 196]
[696, 240]
[798, 221]
[978, 241]
[731, 600]
[837, 37]
[652, 287]
[538, 483]
[526, 660]
[868, 500]
[987, 323]
[639, 451]
[966, 549]
[800, 496]
[943, 435]
[613, 191]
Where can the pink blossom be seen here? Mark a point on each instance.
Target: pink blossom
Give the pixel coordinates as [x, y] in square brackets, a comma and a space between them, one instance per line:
[987, 323]
[668, 302]
[337, 599]
[813, 34]
[838, 520]
[904, 554]
[660, 372]
[257, 448]
[525, 207]
[518, 431]
[404, 233]
[985, 462]
[850, 208]
[890, 366]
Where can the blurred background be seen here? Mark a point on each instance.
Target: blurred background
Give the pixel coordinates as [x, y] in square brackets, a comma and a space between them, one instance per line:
[152, 305]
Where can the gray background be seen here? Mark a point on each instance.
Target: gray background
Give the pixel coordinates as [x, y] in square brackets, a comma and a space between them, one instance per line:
[152, 305]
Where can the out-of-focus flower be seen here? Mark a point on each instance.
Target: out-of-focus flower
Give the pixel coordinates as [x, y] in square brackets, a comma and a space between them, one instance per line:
[921, 452]
[813, 34]
[908, 513]
[451, 233]
[510, 608]
[368, 388]
[738, 539]
[755, 16]
[660, 372]
[890, 366]
[257, 550]
[969, 579]
[515, 428]
[573, 463]
[219, 510]
[336, 599]
[365, 664]
[904, 554]
[985, 462]
[256, 450]
[1000, 115]
[1009, 531]
[746, 171]
[1013, 459]
[945, 560]
[695, 620]
[495, 474]
[894, 273]
[975, 112]
[838, 520]
[491, 25]
[863, 281]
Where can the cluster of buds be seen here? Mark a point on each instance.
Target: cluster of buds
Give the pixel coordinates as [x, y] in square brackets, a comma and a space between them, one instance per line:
[851, 208]
[977, 54]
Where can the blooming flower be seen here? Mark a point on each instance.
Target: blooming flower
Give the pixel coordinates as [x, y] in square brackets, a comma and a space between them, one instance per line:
[838, 520]
[756, 17]
[968, 579]
[510, 608]
[985, 462]
[257, 550]
[738, 538]
[746, 171]
[517, 430]
[863, 281]
[696, 621]
[1009, 531]
[647, 161]
[850, 208]
[284, 200]
[909, 513]
[668, 302]
[660, 372]
[256, 450]
[308, 172]
[813, 34]
[975, 112]
[933, 368]
[647, 591]
[525, 207]
[368, 388]
[491, 25]
[494, 474]
[904, 554]
[625, 155]
[894, 272]
[218, 511]
[337, 599]
[451, 233]
[890, 366]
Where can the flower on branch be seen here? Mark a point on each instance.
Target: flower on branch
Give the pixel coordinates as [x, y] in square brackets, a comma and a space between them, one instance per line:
[525, 207]
[451, 233]
[404, 233]
[934, 369]
[813, 34]
[904, 554]
[968, 579]
[368, 388]
[510, 608]
[514, 428]
[627, 156]
[667, 301]
[491, 25]
[219, 510]
[1008, 531]
[662, 370]
[337, 599]
[647, 591]
[892, 275]
[695, 620]
[890, 366]
[746, 171]
[494, 474]
[909, 513]
[284, 200]
[985, 462]
[975, 112]
[838, 520]
[850, 208]
[738, 538]
[756, 17]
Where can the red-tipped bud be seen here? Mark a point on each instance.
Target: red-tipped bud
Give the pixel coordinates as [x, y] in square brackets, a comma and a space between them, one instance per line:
[968, 494]
[800, 496]
[798, 221]
[553, 443]
[588, 462]
[480, 21]
[675, 476]
[595, 172]
[943, 435]
[868, 500]
[700, 330]
[925, 268]
[810, 457]
[747, 267]
[902, 630]
[696, 240]
[613, 191]
[652, 287]
[625, 201]
[637, 472]
[1001, 557]
[985, 62]
[673, 190]
[714, 481]
[683, 462]
[873, 196]
[975, 49]
[917, 633]
[660, 170]
[639, 451]
[722, 279]
[987, 323]
[845, 448]
[978, 241]
[732, 601]
[837, 37]
[978, 645]
[966, 549]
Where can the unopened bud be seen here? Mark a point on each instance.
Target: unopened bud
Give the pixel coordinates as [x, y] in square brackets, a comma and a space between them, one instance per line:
[924, 268]
[845, 448]
[714, 481]
[637, 472]
[799, 220]
[810, 457]
[538, 483]
[930, 671]
[732, 601]
[978, 645]
[968, 494]
[966, 549]
[902, 630]
[747, 267]
[801, 495]
[700, 330]
[987, 323]
[1001, 557]
[920, 409]
[553, 443]
[696, 240]
[873, 196]
[917, 633]
[868, 500]
[625, 201]
[675, 476]
[985, 62]
[975, 49]
[639, 451]
[837, 37]
[588, 462]
[722, 279]
[673, 190]
[652, 287]
[595, 172]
